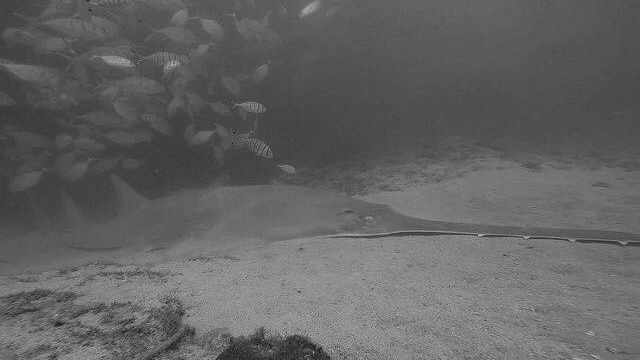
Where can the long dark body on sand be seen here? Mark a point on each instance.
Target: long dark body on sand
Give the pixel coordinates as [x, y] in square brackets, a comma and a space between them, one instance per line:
[259, 213]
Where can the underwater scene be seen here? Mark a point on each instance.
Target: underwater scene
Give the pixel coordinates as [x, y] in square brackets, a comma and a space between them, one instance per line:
[319, 179]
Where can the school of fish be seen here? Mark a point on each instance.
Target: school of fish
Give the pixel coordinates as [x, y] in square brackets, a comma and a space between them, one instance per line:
[107, 76]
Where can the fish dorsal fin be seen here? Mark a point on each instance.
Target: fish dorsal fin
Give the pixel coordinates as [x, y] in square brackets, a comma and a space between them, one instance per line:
[72, 216]
[128, 199]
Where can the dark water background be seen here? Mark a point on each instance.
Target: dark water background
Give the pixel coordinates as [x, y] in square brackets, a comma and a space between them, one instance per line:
[385, 72]
[396, 67]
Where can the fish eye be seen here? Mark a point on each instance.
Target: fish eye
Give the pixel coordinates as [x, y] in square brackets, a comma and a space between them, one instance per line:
[368, 219]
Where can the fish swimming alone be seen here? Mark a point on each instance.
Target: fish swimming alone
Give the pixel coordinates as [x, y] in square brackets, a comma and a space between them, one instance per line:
[260, 213]
[311, 8]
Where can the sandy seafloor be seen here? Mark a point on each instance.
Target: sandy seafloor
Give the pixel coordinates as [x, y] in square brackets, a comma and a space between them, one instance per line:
[439, 297]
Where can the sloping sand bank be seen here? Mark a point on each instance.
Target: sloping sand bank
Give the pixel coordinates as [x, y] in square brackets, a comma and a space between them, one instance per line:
[401, 298]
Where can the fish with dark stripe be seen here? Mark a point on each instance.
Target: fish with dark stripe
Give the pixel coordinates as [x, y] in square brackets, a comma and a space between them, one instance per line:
[259, 148]
[113, 3]
[252, 107]
[161, 58]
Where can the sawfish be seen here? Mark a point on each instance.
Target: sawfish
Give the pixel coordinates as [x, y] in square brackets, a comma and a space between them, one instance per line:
[258, 213]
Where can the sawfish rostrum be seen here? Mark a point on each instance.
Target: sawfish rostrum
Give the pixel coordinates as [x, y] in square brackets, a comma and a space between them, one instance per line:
[258, 213]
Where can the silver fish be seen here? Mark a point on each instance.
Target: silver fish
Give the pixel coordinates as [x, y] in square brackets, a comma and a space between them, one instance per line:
[180, 17]
[113, 4]
[213, 28]
[97, 29]
[34, 74]
[201, 137]
[252, 107]
[311, 8]
[161, 58]
[288, 169]
[115, 61]
[125, 50]
[259, 148]
[25, 181]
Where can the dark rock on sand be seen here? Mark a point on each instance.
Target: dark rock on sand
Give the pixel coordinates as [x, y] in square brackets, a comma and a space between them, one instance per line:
[260, 347]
